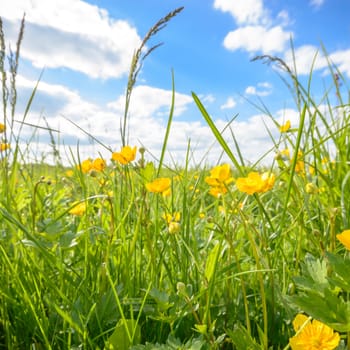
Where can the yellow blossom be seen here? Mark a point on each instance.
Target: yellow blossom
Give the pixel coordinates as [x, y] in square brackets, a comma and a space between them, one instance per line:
[125, 156]
[285, 127]
[172, 217]
[344, 238]
[85, 166]
[285, 153]
[220, 177]
[311, 170]
[78, 209]
[300, 167]
[217, 191]
[172, 221]
[160, 185]
[4, 146]
[311, 188]
[2, 128]
[256, 183]
[174, 227]
[313, 335]
[99, 164]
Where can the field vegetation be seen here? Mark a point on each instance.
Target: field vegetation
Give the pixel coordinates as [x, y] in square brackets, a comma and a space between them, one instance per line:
[132, 253]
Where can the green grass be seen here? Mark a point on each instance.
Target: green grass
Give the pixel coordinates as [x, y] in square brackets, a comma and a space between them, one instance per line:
[226, 278]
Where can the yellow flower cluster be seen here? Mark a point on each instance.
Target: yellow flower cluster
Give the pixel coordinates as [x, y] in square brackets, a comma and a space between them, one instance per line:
[4, 146]
[256, 183]
[312, 335]
[2, 128]
[89, 165]
[220, 177]
[160, 185]
[173, 222]
[125, 156]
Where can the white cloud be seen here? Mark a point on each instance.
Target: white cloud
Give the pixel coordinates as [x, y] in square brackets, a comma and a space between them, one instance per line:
[317, 3]
[309, 58]
[243, 11]
[257, 39]
[262, 89]
[72, 34]
[151, 101]
[147, 126]
[230, 103]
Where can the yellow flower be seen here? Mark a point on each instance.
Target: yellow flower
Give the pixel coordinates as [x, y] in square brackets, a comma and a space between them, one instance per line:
[98, 164]
[85, 166]
[174, 227]
[220, 177]
[125, 156]
[256, 183]
[2, 128]
[300, 166]
[174, 217]
[4, 146]
[160, 185]
[311, 188]
[217, 191]
[285, 127]
[78, 209]
[314, 335]
[69, 172]
[344, 238]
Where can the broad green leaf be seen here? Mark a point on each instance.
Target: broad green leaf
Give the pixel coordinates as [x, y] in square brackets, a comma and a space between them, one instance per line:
[211, 262]
[126, 333]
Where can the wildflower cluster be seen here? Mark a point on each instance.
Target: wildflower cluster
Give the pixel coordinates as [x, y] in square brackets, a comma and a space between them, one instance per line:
[89, 165]
[125, 156]
[220, 177]
[173, 222]
[3, 145]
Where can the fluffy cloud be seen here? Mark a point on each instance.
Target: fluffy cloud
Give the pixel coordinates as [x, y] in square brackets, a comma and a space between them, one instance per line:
[246, 11]
[311, 58]
[257, 39]
[230, 103]
[262, 89]
[256, 31]
[147, 127]
[72, 34]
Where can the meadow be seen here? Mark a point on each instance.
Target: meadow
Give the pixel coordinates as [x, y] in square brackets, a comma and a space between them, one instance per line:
[132, 253]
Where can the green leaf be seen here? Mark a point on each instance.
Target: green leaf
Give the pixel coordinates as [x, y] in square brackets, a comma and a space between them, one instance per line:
[126, 333]
[211, 262]
[161, 298]
[148, 172]
[340, 268]
[242, 339]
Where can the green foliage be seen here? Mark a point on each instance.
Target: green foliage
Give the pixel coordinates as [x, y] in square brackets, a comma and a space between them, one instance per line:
[88, 258]
[324, 287]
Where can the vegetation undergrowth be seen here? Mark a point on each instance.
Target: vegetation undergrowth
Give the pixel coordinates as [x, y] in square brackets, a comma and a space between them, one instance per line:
[132, 253]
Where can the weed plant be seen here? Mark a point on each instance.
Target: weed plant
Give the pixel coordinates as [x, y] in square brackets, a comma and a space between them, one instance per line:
[102, 256]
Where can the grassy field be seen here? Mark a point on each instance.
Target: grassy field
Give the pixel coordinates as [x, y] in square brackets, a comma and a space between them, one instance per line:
[126, 252]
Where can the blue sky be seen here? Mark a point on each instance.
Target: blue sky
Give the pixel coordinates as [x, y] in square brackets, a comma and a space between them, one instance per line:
[84, 49]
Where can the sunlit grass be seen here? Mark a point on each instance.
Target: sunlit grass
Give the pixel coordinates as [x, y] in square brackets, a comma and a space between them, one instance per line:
[130, 252]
